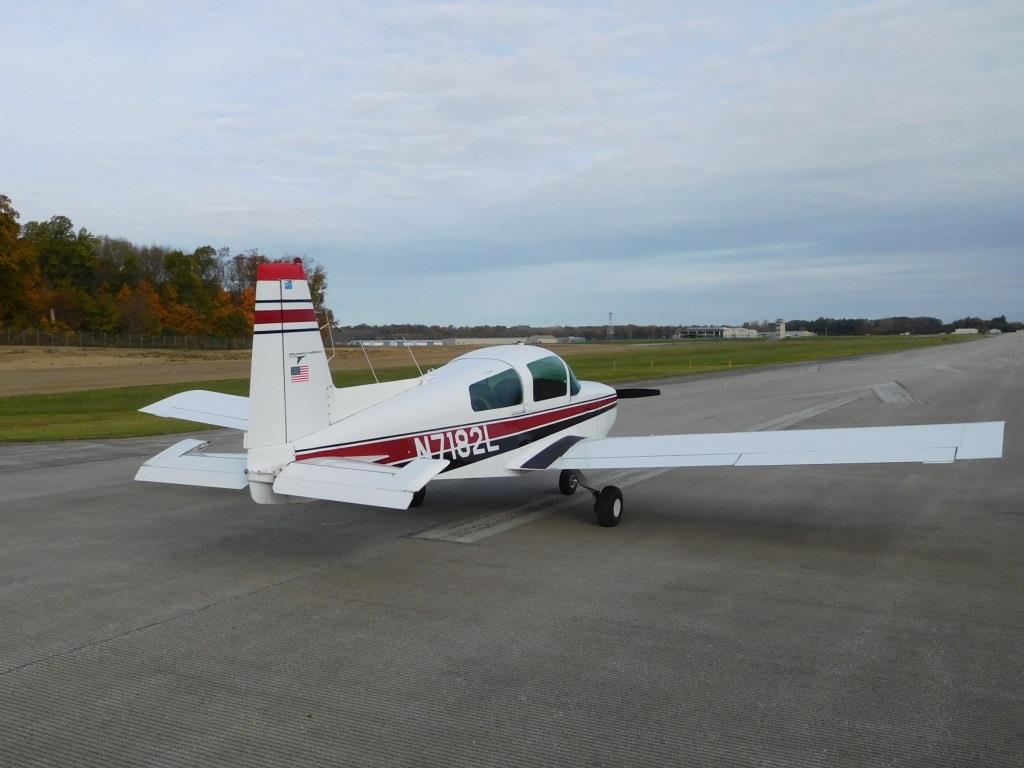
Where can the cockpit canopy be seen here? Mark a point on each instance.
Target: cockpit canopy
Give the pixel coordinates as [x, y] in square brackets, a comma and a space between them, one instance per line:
[547, 377]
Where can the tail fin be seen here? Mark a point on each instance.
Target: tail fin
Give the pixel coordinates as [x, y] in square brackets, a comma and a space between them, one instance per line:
[290, 383]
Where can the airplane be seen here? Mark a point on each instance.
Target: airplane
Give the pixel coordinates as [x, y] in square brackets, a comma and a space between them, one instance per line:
[501, 411]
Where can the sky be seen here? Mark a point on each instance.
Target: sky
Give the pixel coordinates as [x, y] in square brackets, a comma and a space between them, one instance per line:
[501, 163]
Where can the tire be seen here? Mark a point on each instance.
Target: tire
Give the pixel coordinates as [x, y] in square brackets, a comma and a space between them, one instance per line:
[608, 506]
[418, 497]
[568, 482]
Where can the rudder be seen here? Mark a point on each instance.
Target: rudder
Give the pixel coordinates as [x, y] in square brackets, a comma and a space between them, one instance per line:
[290, 382]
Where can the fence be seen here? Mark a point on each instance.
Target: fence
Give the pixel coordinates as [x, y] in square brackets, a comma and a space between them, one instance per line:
[38, 338]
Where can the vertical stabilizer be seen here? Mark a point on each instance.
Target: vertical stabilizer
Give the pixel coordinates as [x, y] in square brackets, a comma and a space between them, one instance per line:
[290, 383]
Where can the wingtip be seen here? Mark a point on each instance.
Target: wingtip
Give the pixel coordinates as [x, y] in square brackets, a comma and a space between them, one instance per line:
[982, 440]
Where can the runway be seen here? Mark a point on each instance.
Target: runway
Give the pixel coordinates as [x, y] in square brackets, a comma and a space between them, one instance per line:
[810, 616]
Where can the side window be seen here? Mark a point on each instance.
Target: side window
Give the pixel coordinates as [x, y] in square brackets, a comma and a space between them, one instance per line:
[498, 391]
[549, 378]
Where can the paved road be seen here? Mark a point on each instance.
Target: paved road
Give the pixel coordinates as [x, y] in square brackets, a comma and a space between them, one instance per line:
[861, 616]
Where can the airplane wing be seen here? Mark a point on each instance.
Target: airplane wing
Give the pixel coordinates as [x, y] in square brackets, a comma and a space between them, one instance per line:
[357, 482]
[205, 407]
[184, 464]
[931, 443]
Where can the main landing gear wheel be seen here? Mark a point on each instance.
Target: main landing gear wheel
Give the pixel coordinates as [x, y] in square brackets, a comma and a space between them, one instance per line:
[608, 506]
[418, 497]
[568, 482]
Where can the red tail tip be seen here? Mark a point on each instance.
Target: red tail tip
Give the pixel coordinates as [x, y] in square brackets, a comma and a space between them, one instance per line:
[276, 270]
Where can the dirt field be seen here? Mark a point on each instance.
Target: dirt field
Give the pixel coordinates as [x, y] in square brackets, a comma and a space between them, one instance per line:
[39, 370]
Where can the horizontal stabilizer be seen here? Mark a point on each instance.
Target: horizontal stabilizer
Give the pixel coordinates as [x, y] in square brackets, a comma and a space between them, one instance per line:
[357, 482]
[939, 443]
[183, 464]
[205, 407]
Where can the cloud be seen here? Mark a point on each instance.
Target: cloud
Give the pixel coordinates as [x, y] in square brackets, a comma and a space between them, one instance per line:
[464, 144]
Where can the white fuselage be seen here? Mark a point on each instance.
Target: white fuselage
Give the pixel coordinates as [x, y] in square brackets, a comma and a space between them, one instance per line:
[453, 414]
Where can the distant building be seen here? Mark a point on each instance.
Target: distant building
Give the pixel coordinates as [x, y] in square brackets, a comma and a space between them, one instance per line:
[994, 331]
[716, 332]
[780, 331]
[397, 343]
[965, 331]
[485, 342]
[537, 339]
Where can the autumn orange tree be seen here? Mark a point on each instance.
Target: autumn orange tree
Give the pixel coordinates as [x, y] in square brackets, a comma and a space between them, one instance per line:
[19, 269]
[55, 277]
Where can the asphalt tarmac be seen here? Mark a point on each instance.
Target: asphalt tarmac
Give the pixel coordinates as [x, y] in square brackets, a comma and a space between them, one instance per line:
[811, 616]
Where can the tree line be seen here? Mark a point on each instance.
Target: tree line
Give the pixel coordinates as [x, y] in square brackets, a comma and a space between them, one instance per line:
[396, 331]
[831, 326]
[61, 279]
[823, 326]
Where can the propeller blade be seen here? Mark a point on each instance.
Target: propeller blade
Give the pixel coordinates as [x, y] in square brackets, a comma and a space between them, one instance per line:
[625, 394]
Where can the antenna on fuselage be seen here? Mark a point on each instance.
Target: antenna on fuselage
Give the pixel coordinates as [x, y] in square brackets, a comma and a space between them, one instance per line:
[367, 356]
[413, 356]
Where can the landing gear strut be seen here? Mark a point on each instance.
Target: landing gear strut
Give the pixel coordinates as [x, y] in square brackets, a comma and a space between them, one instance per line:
[607, 500]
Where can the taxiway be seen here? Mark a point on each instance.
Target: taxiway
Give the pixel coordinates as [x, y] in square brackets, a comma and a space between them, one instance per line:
[808, 616]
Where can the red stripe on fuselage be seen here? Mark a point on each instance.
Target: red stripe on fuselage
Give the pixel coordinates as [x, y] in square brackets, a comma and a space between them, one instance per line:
[284, 316]
[403, 447]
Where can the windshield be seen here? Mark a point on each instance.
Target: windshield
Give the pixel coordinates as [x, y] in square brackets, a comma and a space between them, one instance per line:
[549, 378]
[574, 384]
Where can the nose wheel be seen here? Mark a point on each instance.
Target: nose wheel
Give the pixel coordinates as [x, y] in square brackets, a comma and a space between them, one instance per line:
[568, 482]
[607, 501]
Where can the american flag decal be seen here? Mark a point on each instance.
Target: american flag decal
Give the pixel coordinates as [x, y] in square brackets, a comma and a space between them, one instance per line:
[300, 373]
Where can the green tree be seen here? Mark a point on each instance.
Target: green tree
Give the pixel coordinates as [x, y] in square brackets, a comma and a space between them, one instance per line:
[100, 312]
[192, 279]
[117, 263]
[66, 257]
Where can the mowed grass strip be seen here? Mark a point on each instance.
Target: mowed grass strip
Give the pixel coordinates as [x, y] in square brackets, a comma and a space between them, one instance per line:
[105, 413]
[100, 413]
[645, 361]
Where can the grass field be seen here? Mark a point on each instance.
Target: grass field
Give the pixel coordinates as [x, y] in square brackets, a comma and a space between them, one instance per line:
[112, 412]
